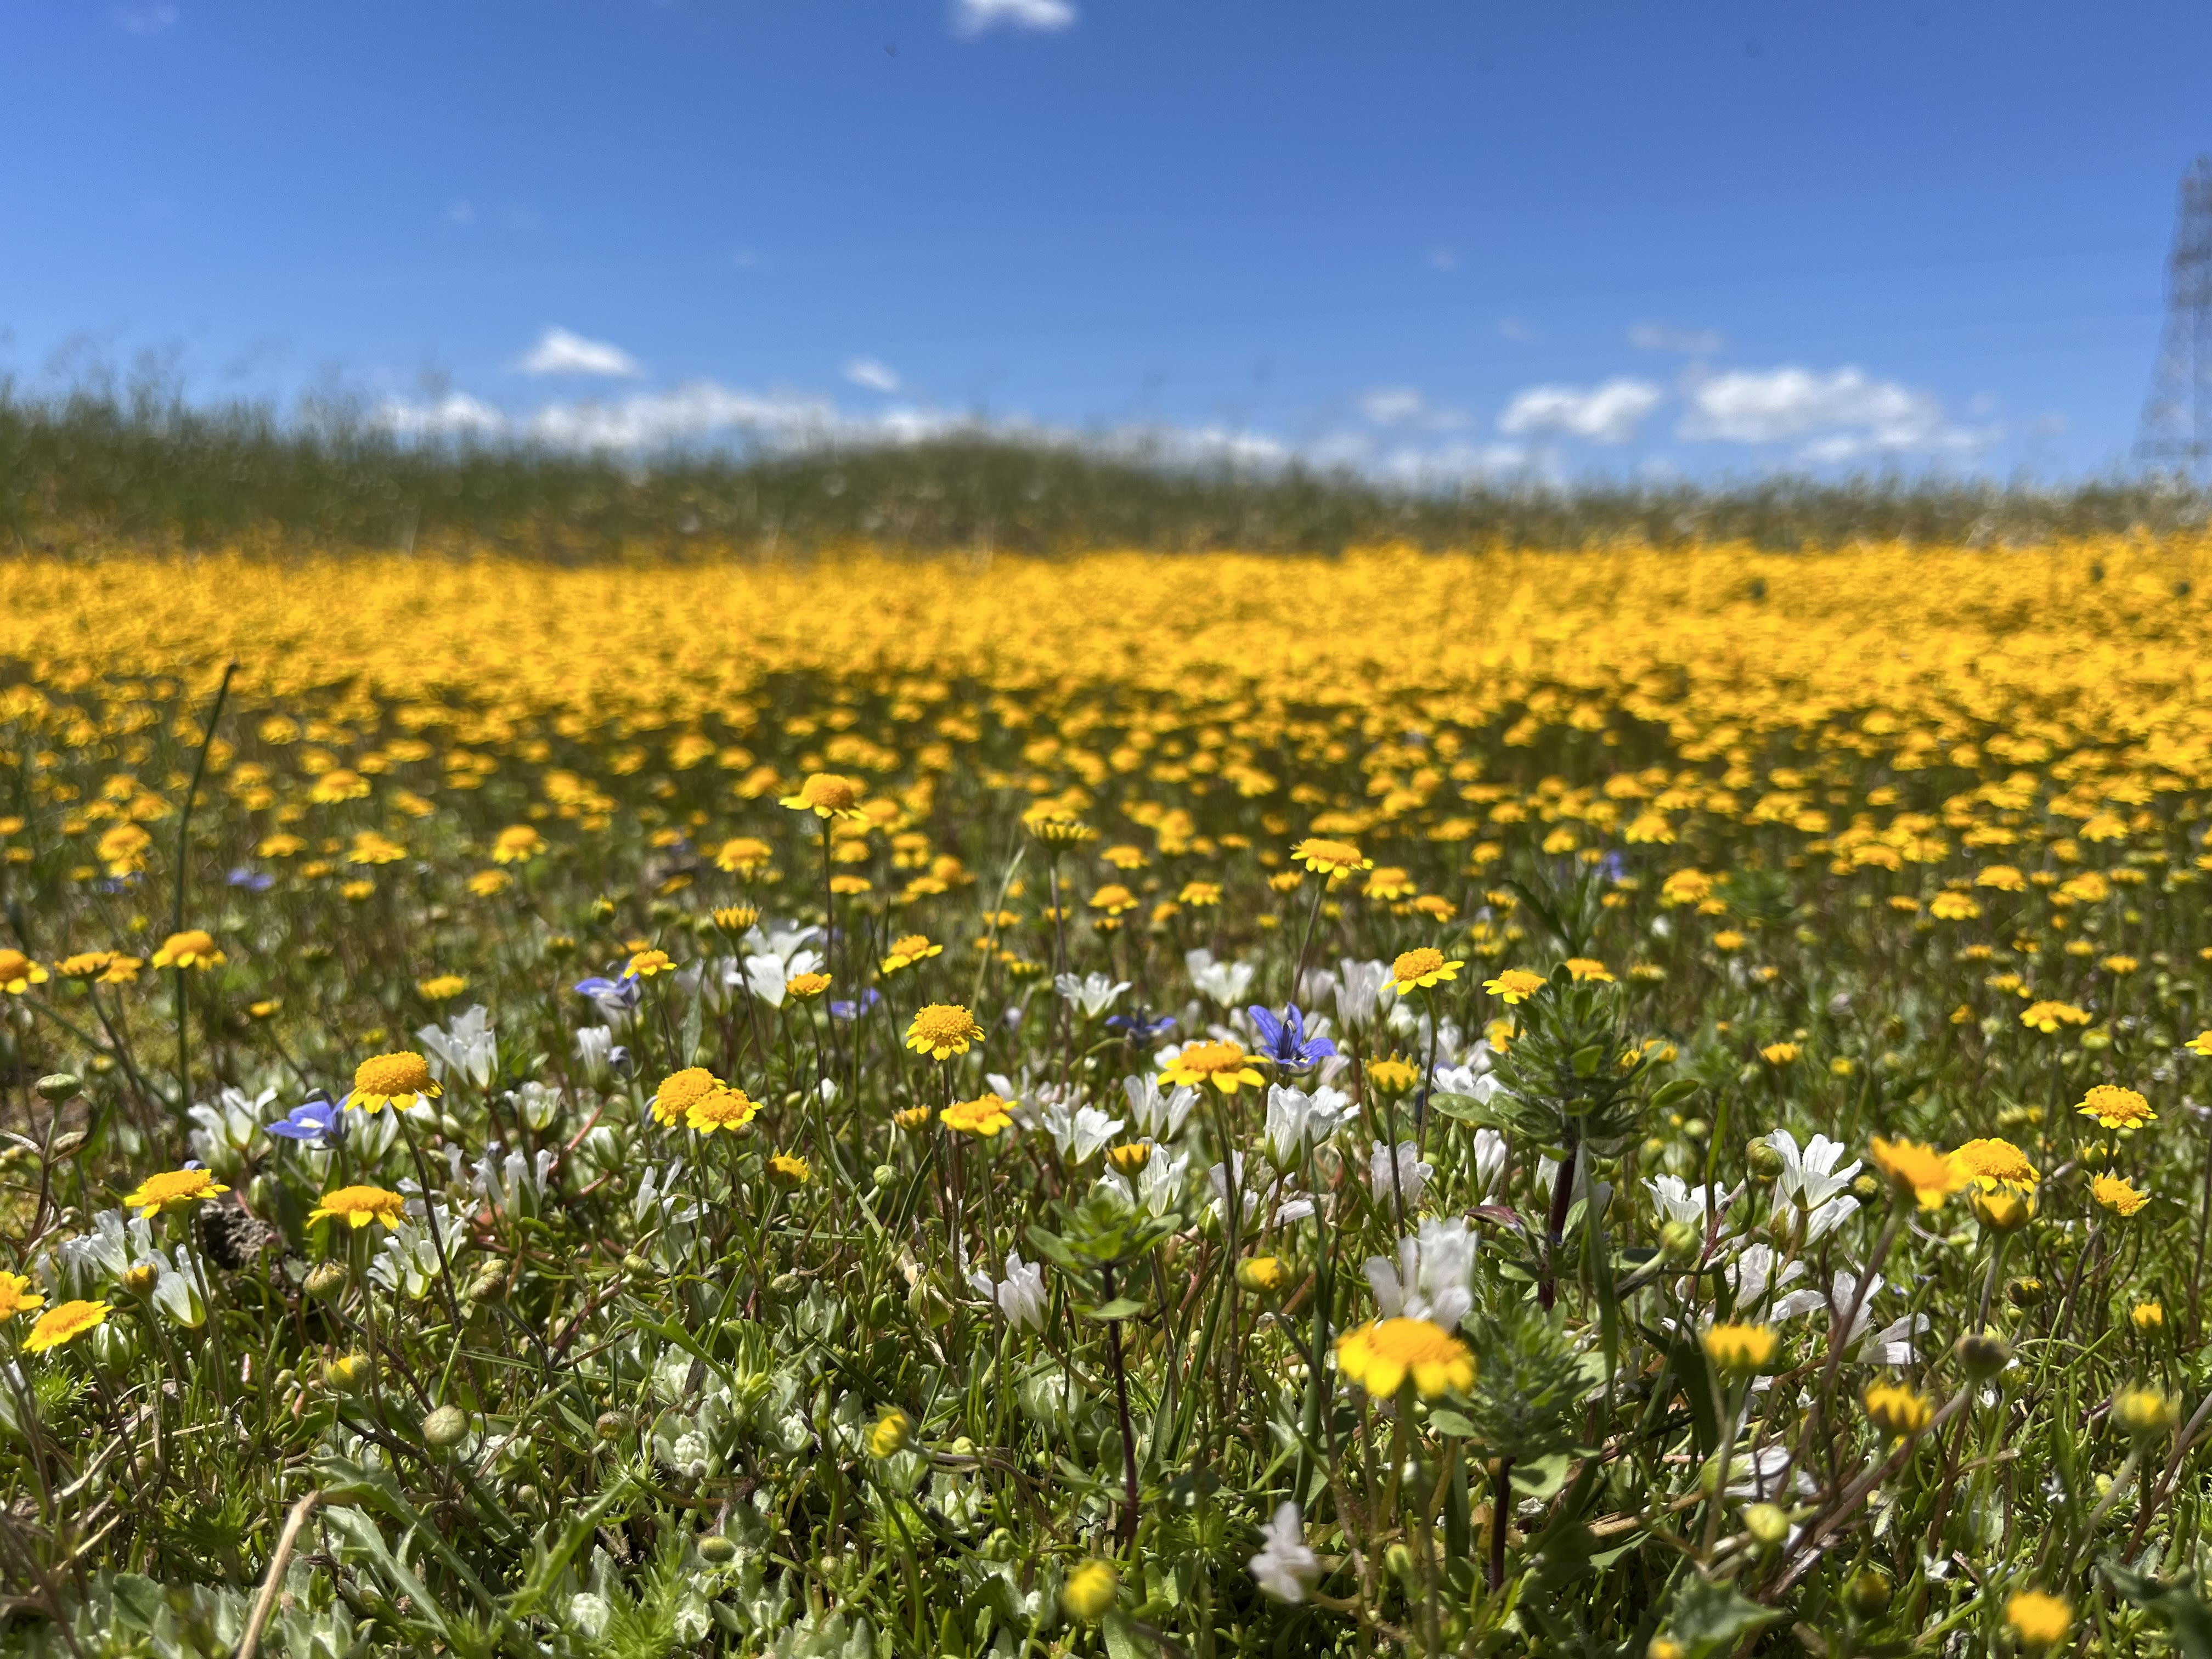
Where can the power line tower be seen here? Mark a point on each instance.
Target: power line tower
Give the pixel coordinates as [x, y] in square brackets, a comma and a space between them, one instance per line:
[2176, 430]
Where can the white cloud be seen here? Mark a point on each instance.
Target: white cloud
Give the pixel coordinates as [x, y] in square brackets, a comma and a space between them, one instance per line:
[1843, 414]
[145, 20]
[1515, 330]
[560, 352]
[1607, 414]
[874, 375]
[460, 211]
[972, 17]
[1442, 258]
[1664, 336]
[456, 415]
[1457, 463]
[1405, 406]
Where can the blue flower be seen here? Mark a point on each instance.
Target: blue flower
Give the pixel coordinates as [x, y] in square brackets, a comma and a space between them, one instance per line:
[1284, 1041]
[615, 998]
[869, 998]
[258, 881]
[314, 1120]
[1138, 1025]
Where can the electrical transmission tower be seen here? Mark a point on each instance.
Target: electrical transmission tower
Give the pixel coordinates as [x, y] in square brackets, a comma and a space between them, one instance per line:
[2176, 430]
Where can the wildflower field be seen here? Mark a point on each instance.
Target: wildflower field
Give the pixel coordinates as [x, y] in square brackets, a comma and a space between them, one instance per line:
[1624, 1103]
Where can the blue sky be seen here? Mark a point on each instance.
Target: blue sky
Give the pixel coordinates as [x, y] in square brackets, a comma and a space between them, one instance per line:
[1425, 239]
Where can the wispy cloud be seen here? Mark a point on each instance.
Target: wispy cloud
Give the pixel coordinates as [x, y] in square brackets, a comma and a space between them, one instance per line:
[1840, 415]
[560, 352]
[1664, 337]
[146, 19]
[1407, 406]
[1513, 329]
[1606, 414]
[875, 375]
[973, 17]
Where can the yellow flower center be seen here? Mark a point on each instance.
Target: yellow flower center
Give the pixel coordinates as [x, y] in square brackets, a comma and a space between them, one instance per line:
[400, 1076]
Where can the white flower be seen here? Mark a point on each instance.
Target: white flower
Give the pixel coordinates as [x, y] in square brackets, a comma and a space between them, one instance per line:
[538, 1102]
[780, 940]
[595, 1048]
[1285, 1567]
[1431, 1278]
[233, 1124]
[179, 1293]
[1890, 1346]
[1296, 1118]
[107, 1251]
[1078, 1132]
[1810, 1178]
[589, 1613]
[769, 973]
[1021, 1296]
[467, 1048]
[1094, 994]
[1360, 982]
[1158, 1115]
[1409, 1178]
[1751, 1273]
[1266, 1188]
[1676, 1202]
[1159, 1183]
[1224, 981]
[1489, 1154]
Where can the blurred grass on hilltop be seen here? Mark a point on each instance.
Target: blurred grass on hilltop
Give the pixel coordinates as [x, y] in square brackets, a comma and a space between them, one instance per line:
[96, 469]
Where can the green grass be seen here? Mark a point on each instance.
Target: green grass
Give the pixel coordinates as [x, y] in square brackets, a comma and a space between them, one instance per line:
[92, 470]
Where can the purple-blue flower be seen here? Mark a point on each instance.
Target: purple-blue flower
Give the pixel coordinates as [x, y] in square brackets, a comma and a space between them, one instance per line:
[257, 881]
[617, 999]
[848, 1010]
[1138, 1025]
[1284, 1041]
[313, 1120]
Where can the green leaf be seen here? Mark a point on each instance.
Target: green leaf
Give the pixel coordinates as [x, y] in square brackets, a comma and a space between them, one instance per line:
[1055, 1250]
[693, 1019]
[1121, 1642]
[1444, 1420]
[1668, 1096]
[1466, 1108]
[2177, 1606]
[362, 1532]
[1708, 1617]
[1121, 1307]
[136, 1601]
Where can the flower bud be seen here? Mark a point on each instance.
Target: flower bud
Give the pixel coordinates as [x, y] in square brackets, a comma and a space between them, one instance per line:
[2144, 1413]
[1762, 1160]
[66, 1145]
[444, 1427]
[611, 1426]
[326, 1280]
[348, 1372]
[892, 1431]
[2004, 1211]
[2025, 1292]
[1866, 1592]
[1766, 1523]
[1982, 1356]
[1090, 1590]
[1665, 1647]
[1399, 1561]
[1262, 1274]
[139, 1278]
[717, 1551]
[1679, 1243]
[58, 1087]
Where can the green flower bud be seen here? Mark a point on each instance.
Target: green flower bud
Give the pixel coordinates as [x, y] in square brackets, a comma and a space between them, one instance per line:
[446, 1426]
